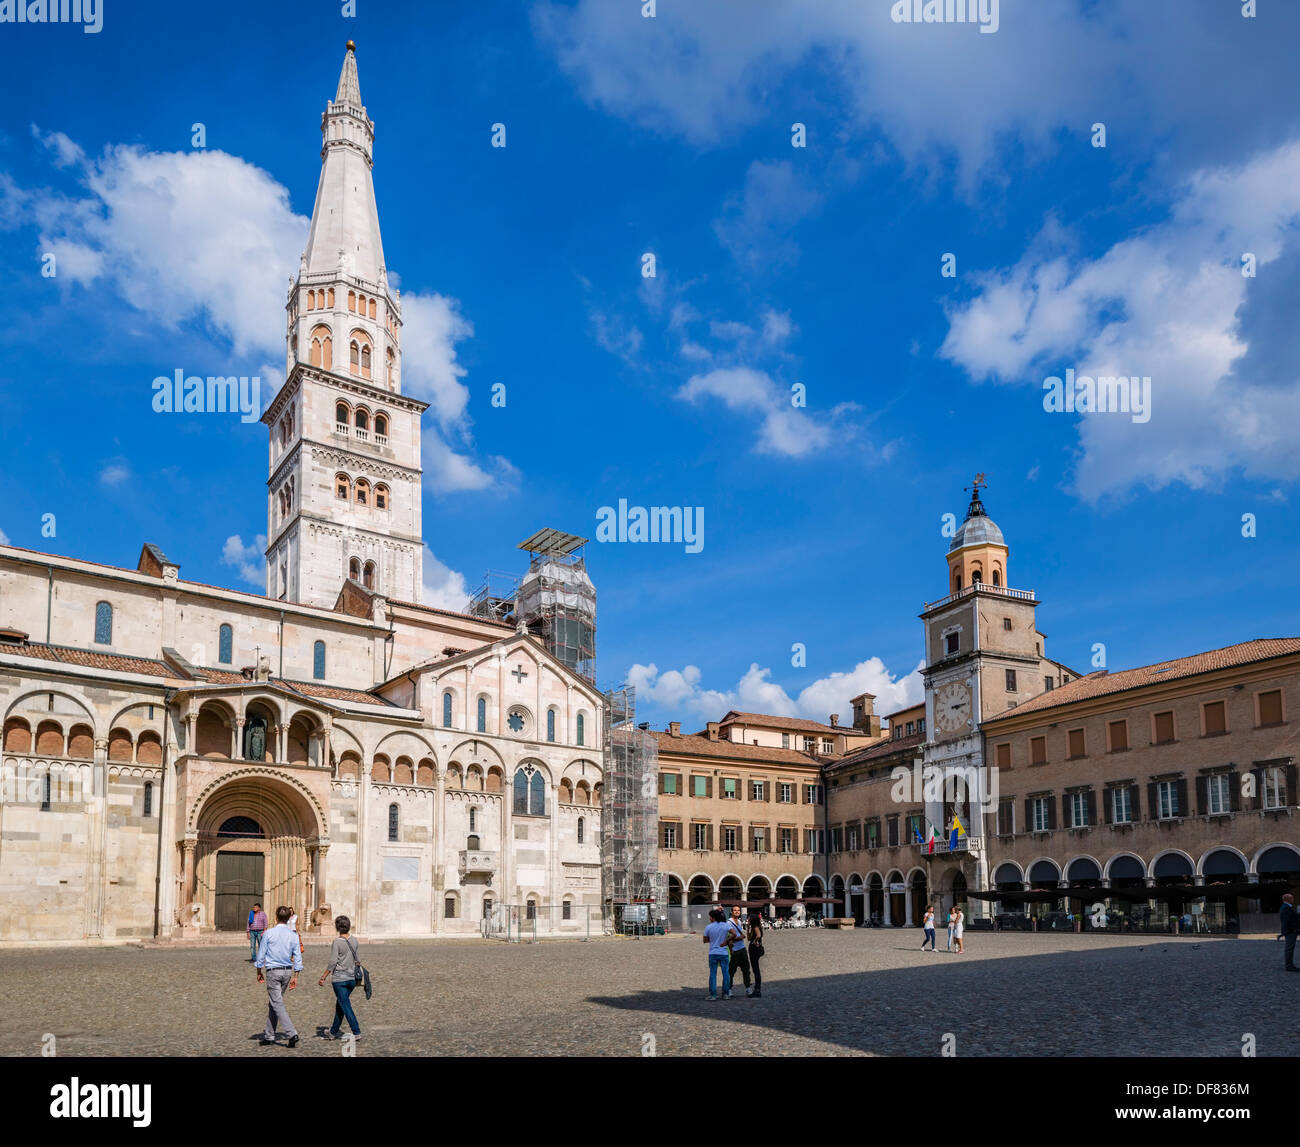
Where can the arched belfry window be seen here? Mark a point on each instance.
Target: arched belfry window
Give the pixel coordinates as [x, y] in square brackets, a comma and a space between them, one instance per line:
[392, 822]
[550, 724]
[318, 661]
[446, 710]
[582, 729]
[482, 714]
[225, 641]
[368, 576]
[975, 577]
[354, 569]
[103, 624]
[997, 577]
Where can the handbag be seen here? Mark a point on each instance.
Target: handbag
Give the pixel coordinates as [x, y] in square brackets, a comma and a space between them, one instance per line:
[358, 972]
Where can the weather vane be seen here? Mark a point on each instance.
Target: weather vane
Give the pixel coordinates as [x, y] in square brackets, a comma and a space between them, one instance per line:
[978, 483]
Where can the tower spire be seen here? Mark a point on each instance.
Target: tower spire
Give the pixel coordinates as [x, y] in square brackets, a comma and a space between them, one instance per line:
[349, 91]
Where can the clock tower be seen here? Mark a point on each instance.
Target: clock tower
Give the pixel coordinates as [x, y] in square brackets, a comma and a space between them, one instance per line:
[983, 655]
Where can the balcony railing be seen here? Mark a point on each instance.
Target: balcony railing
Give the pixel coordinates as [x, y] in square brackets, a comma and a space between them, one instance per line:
[381, 439]
[342, 428]
[363, 434]
[983, 587]
[941, 846]
[476, 860]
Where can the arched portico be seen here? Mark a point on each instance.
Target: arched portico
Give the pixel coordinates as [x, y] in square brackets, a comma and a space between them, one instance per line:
[253, 837]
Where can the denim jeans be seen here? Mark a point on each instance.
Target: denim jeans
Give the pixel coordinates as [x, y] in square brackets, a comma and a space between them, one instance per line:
[343, 1008]
[719, 964]
[254, 938]
[929, 938]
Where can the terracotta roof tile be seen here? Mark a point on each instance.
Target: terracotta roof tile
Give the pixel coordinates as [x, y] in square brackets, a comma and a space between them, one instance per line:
[696, 746]
[1103, 683]
[93, 659]
[798, 723]
[334, 692]
[882, 749]
[450, 613]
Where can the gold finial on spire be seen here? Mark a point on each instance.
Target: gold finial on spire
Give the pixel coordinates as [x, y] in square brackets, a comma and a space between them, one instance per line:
[352, 47]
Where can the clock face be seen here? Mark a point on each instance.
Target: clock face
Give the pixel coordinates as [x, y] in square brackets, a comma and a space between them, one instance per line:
[952, 706]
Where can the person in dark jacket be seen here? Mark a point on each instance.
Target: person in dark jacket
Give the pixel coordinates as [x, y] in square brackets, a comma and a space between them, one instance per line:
[1289, 925]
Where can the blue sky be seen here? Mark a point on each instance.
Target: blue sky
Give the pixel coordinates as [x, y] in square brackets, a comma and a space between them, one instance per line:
[775, 265]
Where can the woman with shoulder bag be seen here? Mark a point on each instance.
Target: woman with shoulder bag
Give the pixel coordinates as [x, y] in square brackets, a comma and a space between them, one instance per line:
[756, 951]
[345, 973]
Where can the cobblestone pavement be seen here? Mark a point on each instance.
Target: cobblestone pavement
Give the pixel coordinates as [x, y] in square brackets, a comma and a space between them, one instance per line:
[869, 992]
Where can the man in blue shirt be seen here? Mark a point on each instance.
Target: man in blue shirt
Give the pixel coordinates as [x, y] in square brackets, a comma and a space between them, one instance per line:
[279, 960]
[1289, 924]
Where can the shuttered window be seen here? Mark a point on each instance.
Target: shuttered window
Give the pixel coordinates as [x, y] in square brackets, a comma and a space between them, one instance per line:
[1118, 736]
[1003, 756]
[1037, 750]
[1216, 718]
[1164, 723]
[1270, 707]
[1076, 743]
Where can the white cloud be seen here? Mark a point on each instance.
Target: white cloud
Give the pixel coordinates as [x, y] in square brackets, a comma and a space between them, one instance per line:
[447, 472]
[777, 326]
[249, 559]
[1171, 303]
[432, 325]
[616, 336]
[203, 236]
[706, 71]
[757, 222]
[681, 692]
[444, 588]
[783, 428]
[114, 474]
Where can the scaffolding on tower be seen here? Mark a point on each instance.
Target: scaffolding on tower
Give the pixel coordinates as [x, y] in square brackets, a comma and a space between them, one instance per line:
[555, 600]
[633, 888]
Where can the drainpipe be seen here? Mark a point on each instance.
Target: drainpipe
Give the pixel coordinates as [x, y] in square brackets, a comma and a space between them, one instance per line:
[280, 642]
[49, 605]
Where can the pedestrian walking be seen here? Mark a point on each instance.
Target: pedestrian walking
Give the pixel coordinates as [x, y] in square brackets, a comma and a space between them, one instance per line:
[739, 954]
[756, 951]
[927, 923]
[958, 926]
[715, 936]
[952, 922]
[1289, 925]
[293, 923]
[256, 926]
[279, 960]
[344, 973]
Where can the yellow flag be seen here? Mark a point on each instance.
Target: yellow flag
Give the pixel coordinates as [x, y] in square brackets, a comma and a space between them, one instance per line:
[956, 823]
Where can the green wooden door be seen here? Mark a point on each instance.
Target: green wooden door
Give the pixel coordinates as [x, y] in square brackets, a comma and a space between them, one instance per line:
[239, 887]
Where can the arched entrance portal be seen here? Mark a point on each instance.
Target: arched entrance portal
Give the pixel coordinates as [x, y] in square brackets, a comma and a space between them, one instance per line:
[254, 839]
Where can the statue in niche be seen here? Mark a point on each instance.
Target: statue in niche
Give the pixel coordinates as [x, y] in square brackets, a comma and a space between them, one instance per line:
[255, 739]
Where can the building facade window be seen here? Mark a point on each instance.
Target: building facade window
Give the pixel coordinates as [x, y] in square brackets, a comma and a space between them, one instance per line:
[1274, 786]
[582, 729]
[1163, 728]
[1217, 797]
[529, 794]
[699, 786]
[473, 820]
[1167, 796]
[1079, 810]
[670, 783]
[449, 908]
[670, 836]
[1011, 680]
[812, 794]
[729, 838]
[828, 746]
[225, 645]
[446, 710]
[700, 837]
[318, 661]
[787, 840]
[392, 822]
[1121, 805]
[1118, 736]
[1074, 740]
[482, 714]
[760, 839]
[148, 798]
[103, 624]
[1216, 718]
[1038, 750]
[950, 643]
[1270, 707]
[758, 788]
[582, 828]
[550, 724]
[1041, 812]
[785, 740]
[729, 792]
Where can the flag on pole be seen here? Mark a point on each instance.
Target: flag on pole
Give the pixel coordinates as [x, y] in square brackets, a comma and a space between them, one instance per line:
[930, 842]
[917, 830]
[957, 831]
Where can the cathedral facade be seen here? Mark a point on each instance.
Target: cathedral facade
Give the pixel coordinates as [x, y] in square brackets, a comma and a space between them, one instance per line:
[174, 751]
